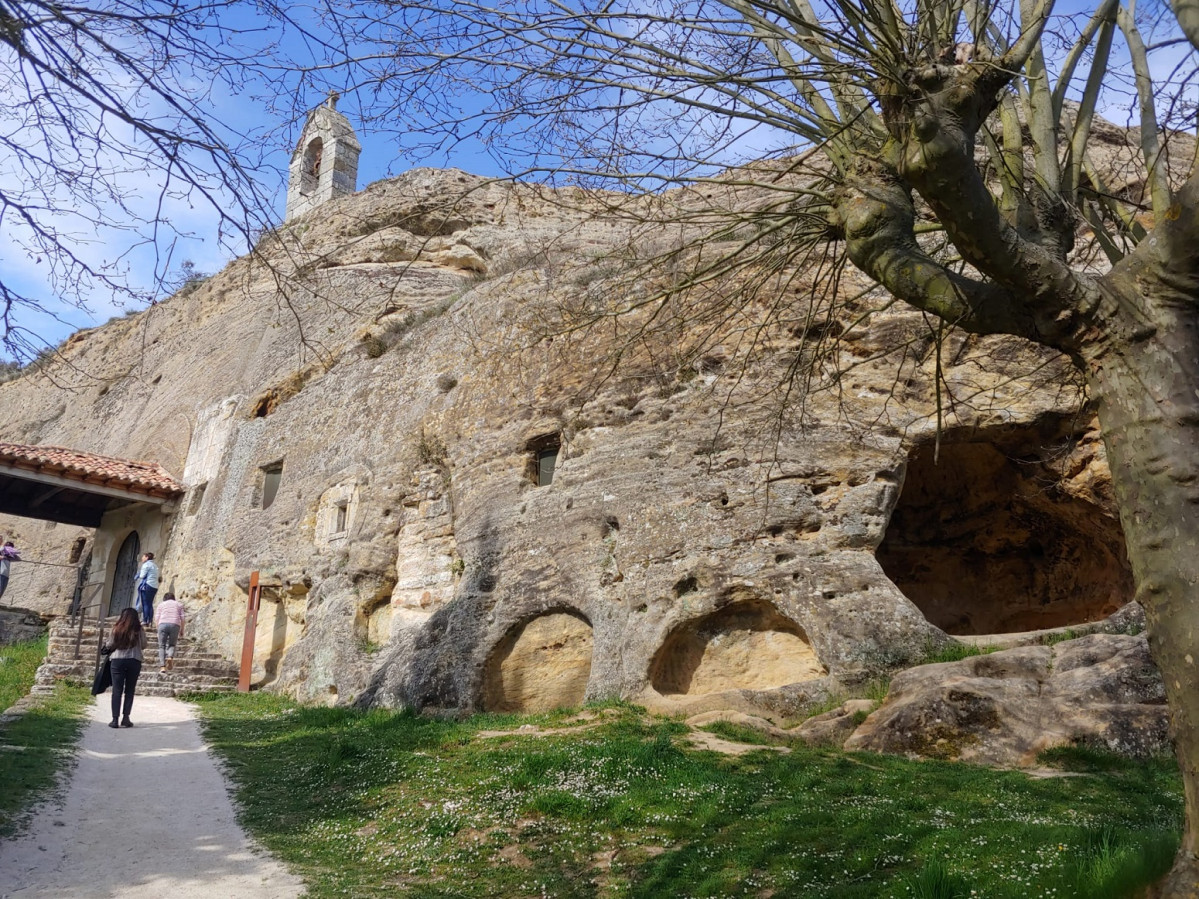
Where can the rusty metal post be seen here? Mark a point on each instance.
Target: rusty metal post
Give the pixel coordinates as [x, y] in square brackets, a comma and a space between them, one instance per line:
[247, 639]
[79, 634]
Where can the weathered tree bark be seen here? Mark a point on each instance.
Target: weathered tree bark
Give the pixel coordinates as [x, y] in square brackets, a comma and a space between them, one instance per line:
[1134, 332]
[1148, 393]
[1142, 362]
[1187, 13]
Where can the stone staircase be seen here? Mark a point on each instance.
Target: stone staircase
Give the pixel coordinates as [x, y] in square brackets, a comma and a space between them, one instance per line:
[195, 670]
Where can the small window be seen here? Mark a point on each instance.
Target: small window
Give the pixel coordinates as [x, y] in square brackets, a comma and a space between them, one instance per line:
[272, 476]
[544, 459]
[197, 499]
[76, 550]
[340, 525]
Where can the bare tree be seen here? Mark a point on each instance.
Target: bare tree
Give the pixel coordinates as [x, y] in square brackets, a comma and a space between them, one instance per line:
[943, 147]
[108, 120]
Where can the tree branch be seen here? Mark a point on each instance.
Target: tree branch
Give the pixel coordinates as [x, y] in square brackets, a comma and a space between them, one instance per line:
[877, 218]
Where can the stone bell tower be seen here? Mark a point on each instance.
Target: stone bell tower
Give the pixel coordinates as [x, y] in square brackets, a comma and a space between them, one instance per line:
[325, 162]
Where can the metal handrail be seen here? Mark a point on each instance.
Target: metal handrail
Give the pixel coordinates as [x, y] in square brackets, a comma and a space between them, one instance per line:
[19, 585]
[19, 564]
[81, 610]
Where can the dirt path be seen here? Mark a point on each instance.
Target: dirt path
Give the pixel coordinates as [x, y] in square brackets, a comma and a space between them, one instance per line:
[145, 815]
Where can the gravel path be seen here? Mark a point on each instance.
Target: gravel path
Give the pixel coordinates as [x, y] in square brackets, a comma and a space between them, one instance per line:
[145, 815]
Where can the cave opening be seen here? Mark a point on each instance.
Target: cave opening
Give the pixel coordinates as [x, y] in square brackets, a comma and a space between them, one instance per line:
[992, 538]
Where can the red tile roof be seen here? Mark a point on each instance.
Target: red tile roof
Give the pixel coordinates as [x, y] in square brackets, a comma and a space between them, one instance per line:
[147, 478]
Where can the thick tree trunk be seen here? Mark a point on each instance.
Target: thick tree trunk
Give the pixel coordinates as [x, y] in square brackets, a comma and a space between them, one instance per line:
[1187, 13]
[1134, 331]
[1145, 373]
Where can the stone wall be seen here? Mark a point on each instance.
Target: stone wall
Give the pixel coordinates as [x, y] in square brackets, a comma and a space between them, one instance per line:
[19, 625]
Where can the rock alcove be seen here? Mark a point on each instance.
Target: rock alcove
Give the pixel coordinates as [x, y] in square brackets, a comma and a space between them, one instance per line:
[744, 646]
[987, 539]
[544, 664]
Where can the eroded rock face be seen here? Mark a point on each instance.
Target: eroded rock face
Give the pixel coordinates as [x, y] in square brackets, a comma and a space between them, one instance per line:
[362, 421]
[1005, 707]
[834, 727]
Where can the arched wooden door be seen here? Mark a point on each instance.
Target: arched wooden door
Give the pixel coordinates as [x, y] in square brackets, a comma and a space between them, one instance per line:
[123, 575]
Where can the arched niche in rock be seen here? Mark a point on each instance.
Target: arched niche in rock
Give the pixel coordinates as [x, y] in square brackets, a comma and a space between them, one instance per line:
[542, 664]
[313, 158]
[987, 539]
[747, 645]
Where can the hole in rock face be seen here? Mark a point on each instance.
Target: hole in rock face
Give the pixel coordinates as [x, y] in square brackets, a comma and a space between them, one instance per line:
[542, 665]
[685, 586]
[744, 646]
[985, 543]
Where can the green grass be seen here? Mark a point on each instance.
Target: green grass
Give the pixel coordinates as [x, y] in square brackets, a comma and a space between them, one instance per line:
[35, 747]
[18, 665]
[1061, 637]
[954, 652]
[372, 804]
[739, 733]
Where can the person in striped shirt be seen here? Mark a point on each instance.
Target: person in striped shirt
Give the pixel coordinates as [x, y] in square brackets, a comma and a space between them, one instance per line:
[169, 618]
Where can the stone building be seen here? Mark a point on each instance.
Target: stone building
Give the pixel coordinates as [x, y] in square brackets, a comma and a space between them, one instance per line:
[324, 165]
[124, 507]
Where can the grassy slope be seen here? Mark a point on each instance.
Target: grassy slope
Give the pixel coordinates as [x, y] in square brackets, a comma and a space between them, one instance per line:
[380, 804]
[35, 747]
[18, 665]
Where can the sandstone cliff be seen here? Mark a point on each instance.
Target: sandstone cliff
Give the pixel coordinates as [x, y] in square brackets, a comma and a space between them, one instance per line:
[365, 410]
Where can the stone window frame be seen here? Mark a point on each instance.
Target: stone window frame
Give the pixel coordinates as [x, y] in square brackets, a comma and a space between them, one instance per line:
[337, 511]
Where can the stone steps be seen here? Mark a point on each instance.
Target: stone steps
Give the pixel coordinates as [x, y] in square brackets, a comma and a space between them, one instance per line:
[65, 649]
[195, 669]
[84, 667]
[148, 687]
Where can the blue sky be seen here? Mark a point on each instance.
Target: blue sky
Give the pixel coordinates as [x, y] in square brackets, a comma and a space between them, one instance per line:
[263, 119]
[270, 124]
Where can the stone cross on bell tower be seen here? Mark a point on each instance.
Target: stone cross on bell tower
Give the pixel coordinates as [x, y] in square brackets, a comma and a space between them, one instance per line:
[325, 162]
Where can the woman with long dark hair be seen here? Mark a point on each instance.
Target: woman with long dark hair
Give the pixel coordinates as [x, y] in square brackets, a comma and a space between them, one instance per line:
[126, 644]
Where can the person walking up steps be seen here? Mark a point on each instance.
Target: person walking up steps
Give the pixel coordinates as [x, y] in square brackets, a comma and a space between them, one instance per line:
[147, 586]
[169, 617]
[126, 644]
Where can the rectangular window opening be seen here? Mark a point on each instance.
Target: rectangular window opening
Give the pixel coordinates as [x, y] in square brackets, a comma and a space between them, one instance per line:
[272, 476]
[340, 525]
[547, 460]
[197, 499]
[543, 458]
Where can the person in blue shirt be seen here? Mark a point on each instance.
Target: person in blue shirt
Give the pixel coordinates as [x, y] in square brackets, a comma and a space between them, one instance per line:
[147, 586]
